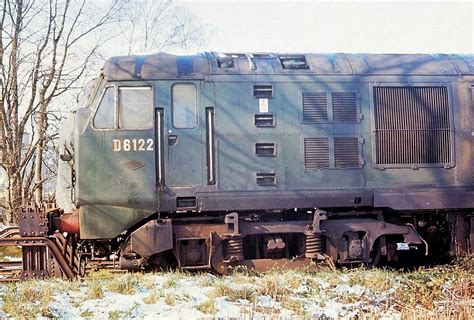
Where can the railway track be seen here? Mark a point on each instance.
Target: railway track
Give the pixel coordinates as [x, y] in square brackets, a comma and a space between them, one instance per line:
[10, 270]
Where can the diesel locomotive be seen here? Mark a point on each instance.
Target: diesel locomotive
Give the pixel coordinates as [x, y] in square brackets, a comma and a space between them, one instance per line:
[214, 161]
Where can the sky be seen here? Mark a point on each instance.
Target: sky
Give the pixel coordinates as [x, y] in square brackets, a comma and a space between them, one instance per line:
[336, 26]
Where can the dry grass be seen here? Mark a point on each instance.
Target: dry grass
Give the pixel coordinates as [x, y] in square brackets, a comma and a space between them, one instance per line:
[427, 293]
[10, 251]
[170, 300]
[153, 297]
[87, 314]
[207, 307]
[124, 284]
[28, 300]
[440, 292]
[233, 293]
[95, 290]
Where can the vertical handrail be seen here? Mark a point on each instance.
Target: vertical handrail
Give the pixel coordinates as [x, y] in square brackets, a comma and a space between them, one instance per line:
[210, 146]
[159, 146]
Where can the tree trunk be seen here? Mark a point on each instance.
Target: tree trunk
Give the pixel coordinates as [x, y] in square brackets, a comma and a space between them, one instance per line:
[14, 200]
[41, 133]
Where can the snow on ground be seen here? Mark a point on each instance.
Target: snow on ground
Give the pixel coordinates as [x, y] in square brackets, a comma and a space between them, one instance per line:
[329, 294]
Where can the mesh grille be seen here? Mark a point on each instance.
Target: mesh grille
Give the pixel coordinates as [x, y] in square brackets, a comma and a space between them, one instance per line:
[346, 152]
[344, 106]
[315, 107]
[316, 153]
[412, 125]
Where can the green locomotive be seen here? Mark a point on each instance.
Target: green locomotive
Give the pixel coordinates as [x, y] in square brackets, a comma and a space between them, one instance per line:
[261, 160]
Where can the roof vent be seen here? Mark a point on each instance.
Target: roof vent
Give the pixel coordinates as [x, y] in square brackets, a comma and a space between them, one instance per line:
[293, 61]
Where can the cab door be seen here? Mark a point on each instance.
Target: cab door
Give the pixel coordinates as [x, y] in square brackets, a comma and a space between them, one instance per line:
[184, 137]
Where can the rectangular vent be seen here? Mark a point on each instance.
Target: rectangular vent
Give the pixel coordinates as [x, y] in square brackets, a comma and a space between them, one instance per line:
[294, 61]
[266, 120]
[266, 178]
[412, 125]
[225, 62]
[346, 152]
[344, 106]
[315, 107]
[186, 202]
[265, 149]
[316, 153]
[263, 91]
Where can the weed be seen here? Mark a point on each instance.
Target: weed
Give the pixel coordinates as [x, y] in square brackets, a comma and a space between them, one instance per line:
[115, 315]
[170, 283]
[233, 293]
[377, 280]
[95, 290]
[123, 285]
[295, 305]
[28, 300]
[152, 297]
[100, 275]
[87, 314]
[147, 282]
[208, 307]
[170, 300]
[440, 292]
[273, 286]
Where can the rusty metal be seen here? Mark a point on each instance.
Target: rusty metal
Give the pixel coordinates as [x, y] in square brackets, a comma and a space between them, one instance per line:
[459, 235]
[39, 256]
[471, 236]
[153, 237]
[235, 250]
[10, 231]
[69, 222]
[33, 222]
[314, 246]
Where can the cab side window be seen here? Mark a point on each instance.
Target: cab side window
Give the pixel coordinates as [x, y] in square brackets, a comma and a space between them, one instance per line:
[104, 117]
[184, 106]
[133, 110]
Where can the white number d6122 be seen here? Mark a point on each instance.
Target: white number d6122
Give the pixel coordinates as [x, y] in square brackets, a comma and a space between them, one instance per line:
[132, 145]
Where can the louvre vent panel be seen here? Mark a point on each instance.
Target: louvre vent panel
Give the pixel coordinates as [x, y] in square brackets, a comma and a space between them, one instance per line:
[265, 149]
[263, 91]
[316, 153]
[266, 178]
[346, 152]
[344, 106]
[412, 125]
[264, 120]
[315, 107]
[413, 147]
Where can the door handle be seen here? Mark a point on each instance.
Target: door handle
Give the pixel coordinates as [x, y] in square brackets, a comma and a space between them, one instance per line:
[172, 139]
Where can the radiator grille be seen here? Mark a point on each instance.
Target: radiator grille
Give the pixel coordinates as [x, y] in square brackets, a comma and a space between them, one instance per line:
[346, 152]
[316, 153]
[412, 125]
[315, 107]
[344, 106]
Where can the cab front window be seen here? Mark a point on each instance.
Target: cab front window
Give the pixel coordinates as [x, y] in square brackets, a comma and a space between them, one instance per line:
[125, 108]
[104, 117]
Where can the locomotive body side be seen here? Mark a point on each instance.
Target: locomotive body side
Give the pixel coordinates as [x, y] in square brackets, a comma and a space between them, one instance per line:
[173, 151]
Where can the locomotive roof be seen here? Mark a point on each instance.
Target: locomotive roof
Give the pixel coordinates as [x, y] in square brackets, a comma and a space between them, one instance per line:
[166, 66]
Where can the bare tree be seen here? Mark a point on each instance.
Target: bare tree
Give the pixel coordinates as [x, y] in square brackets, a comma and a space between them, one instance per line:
[46, 48]
[41, 57]
[154, 25]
